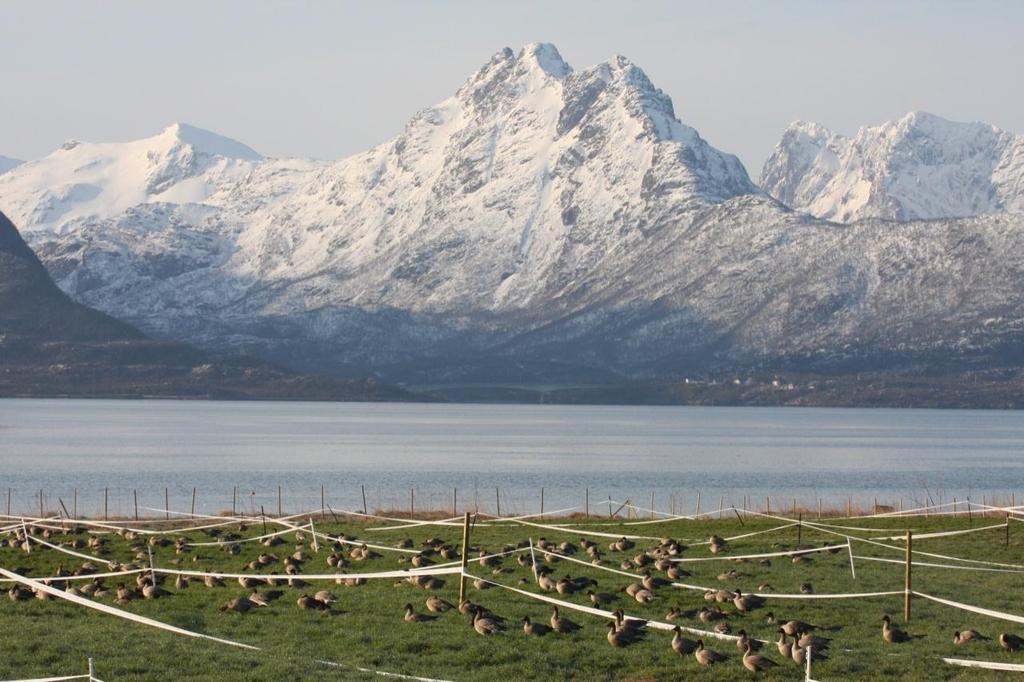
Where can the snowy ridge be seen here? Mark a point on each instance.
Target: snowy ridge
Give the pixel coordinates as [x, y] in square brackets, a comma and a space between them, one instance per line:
[541, 223]
[919, 167]
[182, 164]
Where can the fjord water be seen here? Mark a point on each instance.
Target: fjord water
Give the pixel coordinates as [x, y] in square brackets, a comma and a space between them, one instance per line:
[60, 446]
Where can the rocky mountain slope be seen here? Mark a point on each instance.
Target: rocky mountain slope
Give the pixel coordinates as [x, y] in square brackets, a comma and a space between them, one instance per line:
[541, 226]
[917, 168]
[50, 345]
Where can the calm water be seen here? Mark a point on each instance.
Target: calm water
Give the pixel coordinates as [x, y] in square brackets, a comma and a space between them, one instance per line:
[623, 452]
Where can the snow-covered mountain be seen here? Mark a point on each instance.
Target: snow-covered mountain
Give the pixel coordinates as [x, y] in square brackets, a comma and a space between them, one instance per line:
[80, 181]
[541, 225]
[7, 163]
[919, 167]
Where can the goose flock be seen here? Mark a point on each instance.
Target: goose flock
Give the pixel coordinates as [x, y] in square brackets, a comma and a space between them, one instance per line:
[647, 575]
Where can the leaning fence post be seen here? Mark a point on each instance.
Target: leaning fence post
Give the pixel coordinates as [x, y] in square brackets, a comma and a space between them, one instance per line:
[465, 558]
[193, 502]
[697, 512]
[152, 569]
[906, 586]
[362, 489]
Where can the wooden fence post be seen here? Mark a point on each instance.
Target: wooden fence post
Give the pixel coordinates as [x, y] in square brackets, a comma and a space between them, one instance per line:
[542, 503]
[135, 494]
[167, 504]
[193, 513]
[455, 502]
[106, 492]
[586, 502]
[74, 504]
[497, 501]
[697, 512]
[280, 513]
[465, 558]
[362, 489]
[906, 585]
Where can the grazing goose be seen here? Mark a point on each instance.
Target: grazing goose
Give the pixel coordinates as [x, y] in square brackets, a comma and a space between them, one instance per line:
[746, 602]
[598, 598]
[413, 617]
[644, 596]
[239, 605]
[799, 655]
[706, 656]
[744, 642]
[212, 581]
[248, 582]
[756, 663]
[891, 634]
[180, 582]
[258, 599]
[546, 583]
[680, 644]
[795, 627]
[707, 615]
[722, 628]
[633, 626]
[616, 637]
[534, 629]
[784, 646]
[438, 605]
[651, 583]
[325, 596]
[964, 636]
[806, 588]
[565, 586]
[1010, 642]
[310, 603]
[674, 614]
[562, 625]
[675, 573]
[484, 625]
[17, 593]
[807, 639]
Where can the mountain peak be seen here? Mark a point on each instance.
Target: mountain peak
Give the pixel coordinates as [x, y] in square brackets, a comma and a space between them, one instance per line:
[207, 142]
[546, 57]
[920, 166]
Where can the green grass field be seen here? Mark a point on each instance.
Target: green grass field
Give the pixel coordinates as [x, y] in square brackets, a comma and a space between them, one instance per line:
[365, 627]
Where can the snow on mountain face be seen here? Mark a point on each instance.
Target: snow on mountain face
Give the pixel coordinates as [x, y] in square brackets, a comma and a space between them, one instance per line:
[181, 165]
[539, 219]
[919, 167]
[7, 163]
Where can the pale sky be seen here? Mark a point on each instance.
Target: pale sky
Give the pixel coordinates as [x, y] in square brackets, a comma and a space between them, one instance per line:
[328, 79]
